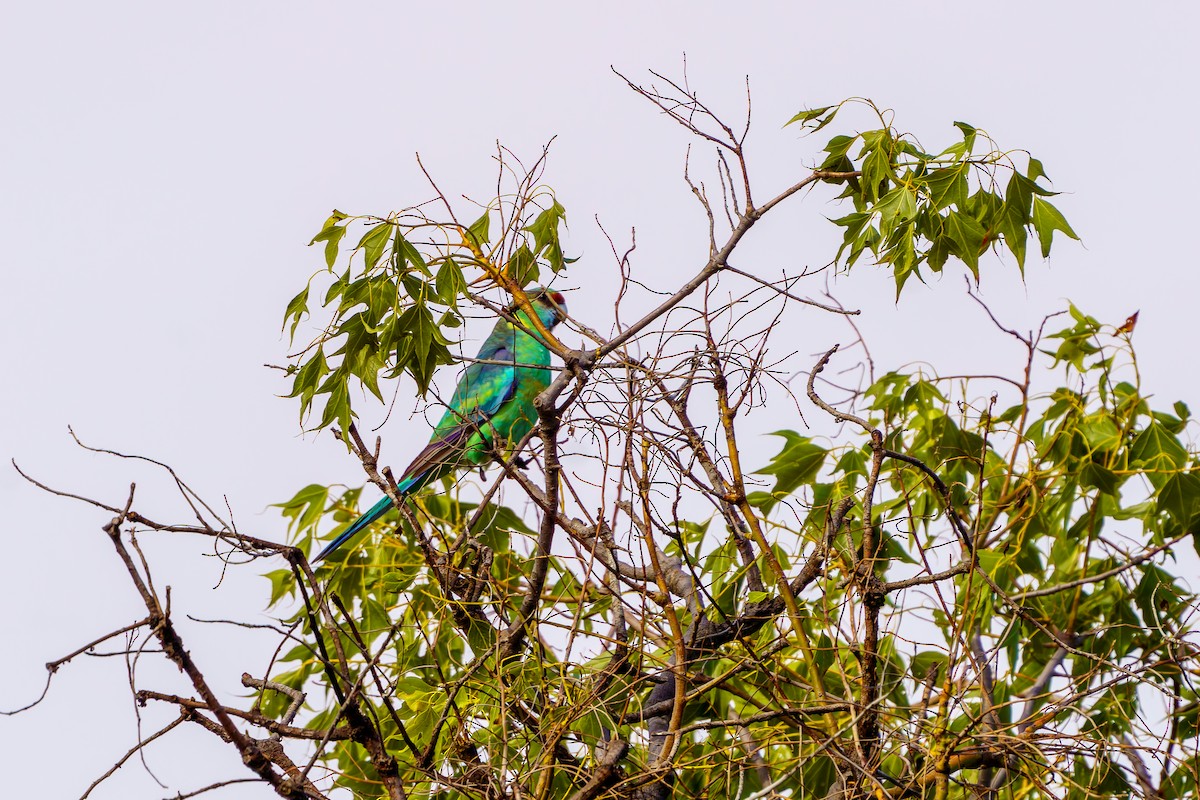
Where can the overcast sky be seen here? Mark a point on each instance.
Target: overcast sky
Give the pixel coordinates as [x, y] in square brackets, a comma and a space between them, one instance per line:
[164, 165]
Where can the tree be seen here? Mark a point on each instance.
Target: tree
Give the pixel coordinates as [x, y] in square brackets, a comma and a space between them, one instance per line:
[946, 586]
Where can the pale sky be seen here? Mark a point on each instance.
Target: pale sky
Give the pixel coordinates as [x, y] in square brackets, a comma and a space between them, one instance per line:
[164, 166]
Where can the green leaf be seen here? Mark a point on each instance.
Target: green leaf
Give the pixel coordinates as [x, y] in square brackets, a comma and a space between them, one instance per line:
[798, 463]
[857, 235]
[479, 229]
[924, 661]
[545, 227]
[1018, 196]
[1046, 220]
[522, 266]
[409, 254]
[967, 235]
[1180, 496]
[1155, 449]
[308, 380]
[877, 173]
[1100, 433]
[282, 583]
[939, 252]
[373, 242]
[1098, 477]
[968, 132]
[296, 308]
[948, 186]
[337, 406]
[895, 208]
[839, 145]
[397, 581]
[1035, 170]
[546, 237]
[331, 235]
[450, 282]
[807, 116]
[1012, 226]
[337, 287]
[305, 508]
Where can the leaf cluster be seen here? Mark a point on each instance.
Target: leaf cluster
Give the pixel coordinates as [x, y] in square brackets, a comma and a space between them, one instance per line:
[1006, 556]
[396, 299]
[914, 210]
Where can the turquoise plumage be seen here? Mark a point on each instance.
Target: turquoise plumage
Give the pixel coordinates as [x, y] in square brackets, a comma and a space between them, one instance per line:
[492, 403]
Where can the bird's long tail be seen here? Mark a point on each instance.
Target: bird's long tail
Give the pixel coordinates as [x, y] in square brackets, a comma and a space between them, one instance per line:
[377, 511]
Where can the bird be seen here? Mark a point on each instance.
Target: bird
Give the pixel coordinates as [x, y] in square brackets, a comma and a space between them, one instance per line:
[492, 405]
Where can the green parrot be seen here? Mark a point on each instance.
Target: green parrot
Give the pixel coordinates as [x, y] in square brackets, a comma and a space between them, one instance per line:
[492, 403]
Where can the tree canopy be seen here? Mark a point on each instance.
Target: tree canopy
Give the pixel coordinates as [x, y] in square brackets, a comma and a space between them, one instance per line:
[940, 585]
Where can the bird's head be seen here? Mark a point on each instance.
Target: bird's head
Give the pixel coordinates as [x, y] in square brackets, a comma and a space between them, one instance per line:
[551, 306]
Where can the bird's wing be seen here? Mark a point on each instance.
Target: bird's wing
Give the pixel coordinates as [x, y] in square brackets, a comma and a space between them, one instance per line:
[484, 388]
